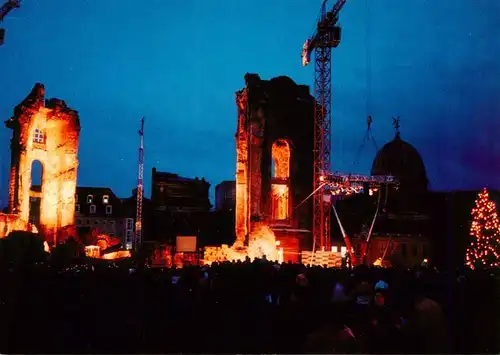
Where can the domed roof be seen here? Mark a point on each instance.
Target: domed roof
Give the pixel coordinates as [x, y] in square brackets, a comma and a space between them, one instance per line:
[401, 160]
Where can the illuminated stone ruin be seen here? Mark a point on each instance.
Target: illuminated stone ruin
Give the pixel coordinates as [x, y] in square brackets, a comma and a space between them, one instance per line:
[46, 131]
[274, 167]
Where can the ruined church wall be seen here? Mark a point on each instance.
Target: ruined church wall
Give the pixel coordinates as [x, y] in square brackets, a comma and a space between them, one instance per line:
[242, 192]
[56, 150]
[289, 114]
[268, 111]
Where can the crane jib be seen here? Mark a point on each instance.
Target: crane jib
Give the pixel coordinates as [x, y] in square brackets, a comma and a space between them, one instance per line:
[326, 24]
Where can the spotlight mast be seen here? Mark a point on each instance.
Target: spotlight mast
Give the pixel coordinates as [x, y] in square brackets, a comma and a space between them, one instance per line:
[140, 190]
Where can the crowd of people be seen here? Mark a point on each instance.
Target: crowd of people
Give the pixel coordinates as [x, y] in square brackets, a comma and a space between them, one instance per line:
[245, 307]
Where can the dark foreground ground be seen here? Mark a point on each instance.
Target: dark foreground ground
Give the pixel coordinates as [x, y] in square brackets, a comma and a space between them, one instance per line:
[246, 308]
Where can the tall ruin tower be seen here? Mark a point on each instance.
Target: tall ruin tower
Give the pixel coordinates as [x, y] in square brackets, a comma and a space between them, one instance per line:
[274, 148]
[46, 131]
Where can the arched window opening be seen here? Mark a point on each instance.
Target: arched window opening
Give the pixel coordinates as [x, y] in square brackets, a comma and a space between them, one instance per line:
[38, 136]
[35, 192]
[36, 174]
[280, 187]
[281, 159]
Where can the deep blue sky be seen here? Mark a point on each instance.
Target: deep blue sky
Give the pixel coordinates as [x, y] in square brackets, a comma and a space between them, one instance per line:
[179, 62]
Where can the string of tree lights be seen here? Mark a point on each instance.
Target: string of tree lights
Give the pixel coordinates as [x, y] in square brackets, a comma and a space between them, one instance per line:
[484, 249]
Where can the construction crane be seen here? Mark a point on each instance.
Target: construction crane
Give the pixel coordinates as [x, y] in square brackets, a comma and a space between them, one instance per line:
[325, 37]
[4, 10]
[140, 190]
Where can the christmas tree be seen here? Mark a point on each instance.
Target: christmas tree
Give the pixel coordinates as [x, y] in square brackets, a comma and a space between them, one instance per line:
[484, 249]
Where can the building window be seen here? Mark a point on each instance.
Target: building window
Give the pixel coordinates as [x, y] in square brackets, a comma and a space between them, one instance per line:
[112, 222]
[78, 222]
[92, 208]
[38, 136]
[105, 199]
[96, 222]
[76, 197]
[90, 198]
[109, 209]
[130, 223]
[129, 235]
[104, 222]
[77, 208]
[87, 221]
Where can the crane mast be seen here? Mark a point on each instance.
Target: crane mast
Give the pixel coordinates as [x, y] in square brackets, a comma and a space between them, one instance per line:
[4, 10]
[325, 37]
[140, 189]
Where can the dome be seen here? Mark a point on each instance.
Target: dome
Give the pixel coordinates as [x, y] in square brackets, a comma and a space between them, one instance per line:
[401, 160]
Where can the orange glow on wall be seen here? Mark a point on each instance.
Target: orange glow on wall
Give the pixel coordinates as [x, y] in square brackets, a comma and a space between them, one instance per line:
[12, 222]
[242, 210]
[280, 194]
[262, 241]
[280, 191]
[48, 132]
[281, 159]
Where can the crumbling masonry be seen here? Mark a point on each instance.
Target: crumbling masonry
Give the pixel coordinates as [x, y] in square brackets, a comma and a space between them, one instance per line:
[274, 144]
[48, 132]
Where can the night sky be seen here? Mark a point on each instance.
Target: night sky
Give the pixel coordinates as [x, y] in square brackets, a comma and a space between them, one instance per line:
[178, 62]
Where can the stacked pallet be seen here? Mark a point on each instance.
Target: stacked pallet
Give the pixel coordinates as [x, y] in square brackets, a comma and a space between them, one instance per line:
[321, 258]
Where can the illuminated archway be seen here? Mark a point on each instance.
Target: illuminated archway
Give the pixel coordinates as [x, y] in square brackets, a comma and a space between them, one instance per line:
[280, 186]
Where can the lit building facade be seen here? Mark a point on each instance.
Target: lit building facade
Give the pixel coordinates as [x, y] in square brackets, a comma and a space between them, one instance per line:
[98, 208]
